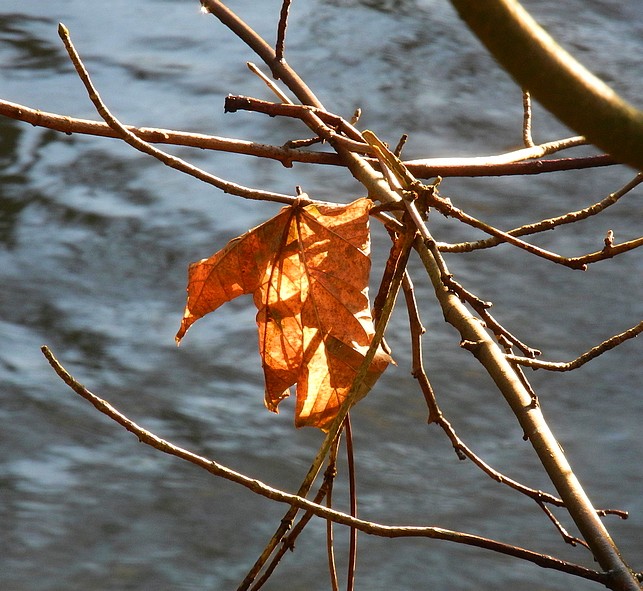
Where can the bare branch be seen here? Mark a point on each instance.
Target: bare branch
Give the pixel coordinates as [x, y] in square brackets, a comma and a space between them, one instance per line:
[594, 352]
[269, 83]
[553, 77]
[508, 157]
[274, 494]
[71, 125]
[550, 223]
[281, 30]
[526, 120]
[428, 168]
[462, 450]
[445, 207]
[171, 161]
[479, 167]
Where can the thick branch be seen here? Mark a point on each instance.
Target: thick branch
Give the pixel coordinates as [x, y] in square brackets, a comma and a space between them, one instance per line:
[554, 78]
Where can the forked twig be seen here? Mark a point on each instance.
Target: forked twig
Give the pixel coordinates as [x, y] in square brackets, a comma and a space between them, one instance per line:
[567, 537]
[462, 450]
[167, 159]
[446, 208]
[550, 223]
[594, 352]
[482, 308]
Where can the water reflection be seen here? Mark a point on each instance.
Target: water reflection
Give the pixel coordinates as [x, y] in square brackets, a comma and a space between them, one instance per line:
[23, 45]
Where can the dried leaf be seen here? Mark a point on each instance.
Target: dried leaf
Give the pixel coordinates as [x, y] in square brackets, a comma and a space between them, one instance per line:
[307, 269]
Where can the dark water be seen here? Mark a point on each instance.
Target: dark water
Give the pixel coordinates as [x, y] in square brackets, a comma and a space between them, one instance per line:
[94, 244]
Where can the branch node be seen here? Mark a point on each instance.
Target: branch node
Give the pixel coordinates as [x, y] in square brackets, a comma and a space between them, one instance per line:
[473, 346]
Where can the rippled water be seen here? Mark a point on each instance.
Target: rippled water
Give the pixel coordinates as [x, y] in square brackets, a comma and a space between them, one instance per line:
[94, 244]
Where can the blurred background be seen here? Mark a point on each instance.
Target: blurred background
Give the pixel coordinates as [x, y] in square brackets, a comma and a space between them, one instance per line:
[95, 240]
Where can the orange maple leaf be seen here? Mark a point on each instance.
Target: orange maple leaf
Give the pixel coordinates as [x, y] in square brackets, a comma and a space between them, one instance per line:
[307, 269]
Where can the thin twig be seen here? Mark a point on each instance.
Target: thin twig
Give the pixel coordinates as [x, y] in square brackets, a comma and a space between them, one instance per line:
[526, 120]
[352, 487]
[460, 167]
[482, 308]
[594, 352]
[167, 159]
[288, 542]
[281, 30]
[330, 544]
[508, 157]
[332, 122]
[274, 494]
[269, 83]
[417, 371]
[550, 223]
[446, 208]
[400, 145]
[567, 537]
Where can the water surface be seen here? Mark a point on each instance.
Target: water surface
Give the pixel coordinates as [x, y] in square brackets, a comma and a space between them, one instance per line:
[94, 244]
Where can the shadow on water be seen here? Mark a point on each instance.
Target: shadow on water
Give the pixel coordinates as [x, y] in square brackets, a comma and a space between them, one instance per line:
[94, 245]
[22, 44]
